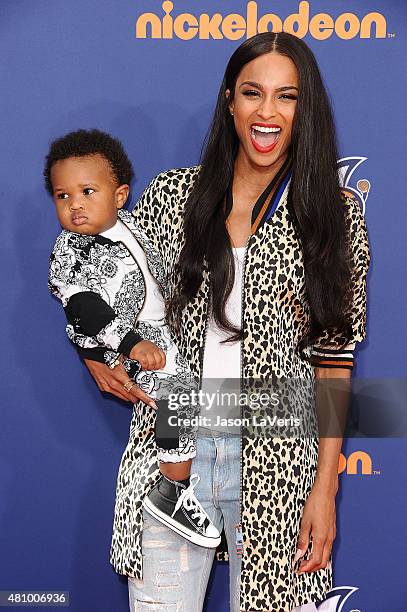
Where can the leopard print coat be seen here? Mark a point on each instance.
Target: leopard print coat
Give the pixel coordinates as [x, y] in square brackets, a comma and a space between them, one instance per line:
[277, 472]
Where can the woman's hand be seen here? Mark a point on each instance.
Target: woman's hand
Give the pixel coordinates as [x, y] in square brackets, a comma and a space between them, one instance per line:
[148, 355]
[318, 518]
[113, 381]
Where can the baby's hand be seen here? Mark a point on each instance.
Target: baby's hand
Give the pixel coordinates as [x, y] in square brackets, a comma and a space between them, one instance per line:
[148, 355]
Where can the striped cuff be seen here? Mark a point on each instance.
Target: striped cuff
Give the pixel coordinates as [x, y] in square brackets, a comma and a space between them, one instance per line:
[334, 358]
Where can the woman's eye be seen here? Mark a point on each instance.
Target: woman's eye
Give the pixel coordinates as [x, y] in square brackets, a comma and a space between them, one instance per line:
[88, 190]
[288, 97]
[251, 93]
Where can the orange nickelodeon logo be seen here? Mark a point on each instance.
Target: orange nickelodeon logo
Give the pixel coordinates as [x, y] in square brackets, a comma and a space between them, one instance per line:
[235, 26]
[358, 462]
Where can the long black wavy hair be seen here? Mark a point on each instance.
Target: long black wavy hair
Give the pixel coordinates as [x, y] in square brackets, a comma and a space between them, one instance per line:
[314, 199]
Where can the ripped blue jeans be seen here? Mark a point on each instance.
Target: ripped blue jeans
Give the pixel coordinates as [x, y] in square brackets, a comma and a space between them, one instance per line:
[176, 572]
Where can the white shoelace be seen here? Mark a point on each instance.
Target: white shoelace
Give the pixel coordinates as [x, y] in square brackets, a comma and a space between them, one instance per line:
[190, 502]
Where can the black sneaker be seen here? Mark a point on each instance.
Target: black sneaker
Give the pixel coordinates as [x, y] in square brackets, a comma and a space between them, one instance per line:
[176, 506]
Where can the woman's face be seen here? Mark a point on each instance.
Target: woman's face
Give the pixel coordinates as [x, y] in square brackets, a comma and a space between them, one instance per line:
[263, 107]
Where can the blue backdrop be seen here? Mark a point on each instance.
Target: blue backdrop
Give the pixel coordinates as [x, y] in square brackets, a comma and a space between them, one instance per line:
[70, 64]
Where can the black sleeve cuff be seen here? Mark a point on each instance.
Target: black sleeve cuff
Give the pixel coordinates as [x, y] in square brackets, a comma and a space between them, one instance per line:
[129, 340]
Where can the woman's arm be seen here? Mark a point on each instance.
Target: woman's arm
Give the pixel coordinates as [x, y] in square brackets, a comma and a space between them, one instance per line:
[332, 401]
[319, 515]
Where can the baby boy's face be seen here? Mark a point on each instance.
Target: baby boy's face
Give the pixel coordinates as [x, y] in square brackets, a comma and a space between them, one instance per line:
[86, 194]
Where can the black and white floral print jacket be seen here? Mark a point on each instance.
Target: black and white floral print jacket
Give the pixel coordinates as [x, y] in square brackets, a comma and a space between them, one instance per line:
[102, 288]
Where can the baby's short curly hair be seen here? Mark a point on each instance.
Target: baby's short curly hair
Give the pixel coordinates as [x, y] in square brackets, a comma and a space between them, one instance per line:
[90, 142]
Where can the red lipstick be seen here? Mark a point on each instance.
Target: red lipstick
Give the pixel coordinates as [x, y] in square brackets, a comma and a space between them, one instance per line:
[262, 140]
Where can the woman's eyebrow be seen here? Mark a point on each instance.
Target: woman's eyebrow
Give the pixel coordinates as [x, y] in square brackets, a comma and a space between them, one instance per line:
[259, 86]
[286, 87]
[252, 84]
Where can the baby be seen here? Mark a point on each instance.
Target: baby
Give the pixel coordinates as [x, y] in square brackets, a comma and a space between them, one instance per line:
[111, 282]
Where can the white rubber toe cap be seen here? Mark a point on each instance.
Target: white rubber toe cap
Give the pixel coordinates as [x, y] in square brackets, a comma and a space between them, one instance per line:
[212, 532]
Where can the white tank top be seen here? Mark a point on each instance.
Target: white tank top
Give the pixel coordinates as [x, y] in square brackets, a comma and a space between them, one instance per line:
[221, 363]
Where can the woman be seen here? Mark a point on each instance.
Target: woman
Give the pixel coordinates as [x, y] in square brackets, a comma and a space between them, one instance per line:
[264, 214]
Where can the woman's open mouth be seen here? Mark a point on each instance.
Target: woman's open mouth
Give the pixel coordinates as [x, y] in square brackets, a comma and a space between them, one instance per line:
[264, 136]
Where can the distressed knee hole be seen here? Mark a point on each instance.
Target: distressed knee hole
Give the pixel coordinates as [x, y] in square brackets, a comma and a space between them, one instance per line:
[184, 558]
[154, 544]
[167, 580]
